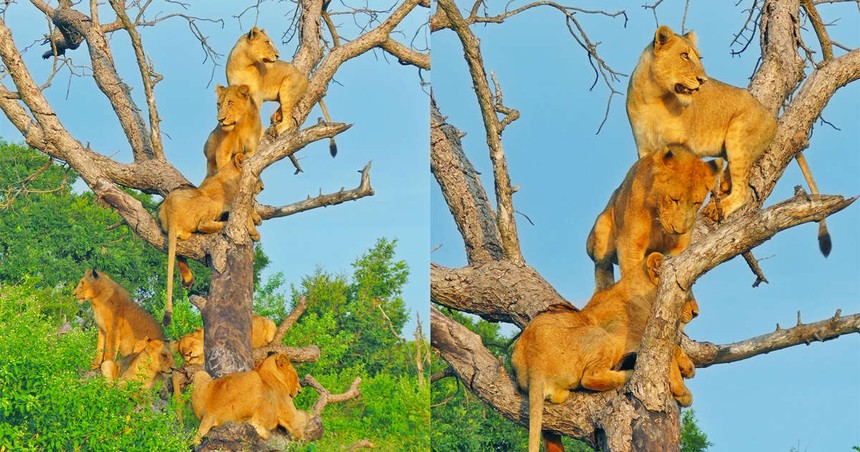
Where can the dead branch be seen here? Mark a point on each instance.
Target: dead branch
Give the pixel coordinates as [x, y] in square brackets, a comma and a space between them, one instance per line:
[326, 397]
[820, 30]
[504, 194]
[753, 264]
[362, 190]
[705, 354]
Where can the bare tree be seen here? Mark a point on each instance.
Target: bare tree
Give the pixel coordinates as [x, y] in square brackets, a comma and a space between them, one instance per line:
[497, 283]
[229, 254]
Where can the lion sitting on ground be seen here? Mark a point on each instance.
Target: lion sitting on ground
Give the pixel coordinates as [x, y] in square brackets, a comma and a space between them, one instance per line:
[262, 397]
[253, 61]
[563, 349]
[189, 210]
[238, 131]
[150, 360]
[120, 321]
[653, 210]
[190, 346]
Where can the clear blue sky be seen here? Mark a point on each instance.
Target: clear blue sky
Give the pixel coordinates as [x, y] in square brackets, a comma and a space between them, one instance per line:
[807, 396]
[383, 100]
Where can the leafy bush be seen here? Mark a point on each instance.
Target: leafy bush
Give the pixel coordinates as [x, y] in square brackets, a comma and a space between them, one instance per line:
[45, 402]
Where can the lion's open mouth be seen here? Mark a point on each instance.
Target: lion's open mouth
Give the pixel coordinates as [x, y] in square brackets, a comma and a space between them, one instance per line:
[270, 60]
[681, 89]
[227, 125]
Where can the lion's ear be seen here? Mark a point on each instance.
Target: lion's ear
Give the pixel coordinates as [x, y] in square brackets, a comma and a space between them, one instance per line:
[663, 36]
[716, 165]
[244, 90]
[253, 33]
[691, 36]
[238, 159]
[140, 345]
[219, 90]
[95, 273]
[652, 266]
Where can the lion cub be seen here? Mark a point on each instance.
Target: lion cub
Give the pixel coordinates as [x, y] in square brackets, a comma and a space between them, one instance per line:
[150, 361]
[189, 210]
[253, 61]
[653, 210]
[121, 322]
[671, 100]
[262, 397]
[562, 350]
[190, 346]
[238, 131]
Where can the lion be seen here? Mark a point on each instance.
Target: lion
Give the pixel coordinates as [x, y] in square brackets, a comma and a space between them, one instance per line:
[239, 128]
[120, 321]
[189, 210]
[262, 397]
[150, 360]
[253, 61]
[670, 99]
[190, 346]
[563, 349]
[682, 366]
[653, 210]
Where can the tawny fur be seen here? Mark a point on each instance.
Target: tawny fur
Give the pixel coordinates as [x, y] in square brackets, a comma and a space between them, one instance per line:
[239, 128]
[150, 361]
[120, 321]
[652, 211]
[262, 397]
[563, 349]
[253, 61]
[189, 210]
[670, 100]
[190, 346]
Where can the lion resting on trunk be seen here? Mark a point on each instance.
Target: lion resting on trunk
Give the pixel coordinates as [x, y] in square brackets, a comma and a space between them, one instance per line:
[262, 397]
[652, 211]
[562, 349]
[190, 346]
[121, 322]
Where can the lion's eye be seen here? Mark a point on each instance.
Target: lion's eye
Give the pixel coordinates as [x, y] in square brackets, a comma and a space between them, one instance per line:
[675, 200]
[229, 103]
[685, 56]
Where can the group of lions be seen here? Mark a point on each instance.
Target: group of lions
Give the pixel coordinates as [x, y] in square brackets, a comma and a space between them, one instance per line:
[131, 344]
[678, 115]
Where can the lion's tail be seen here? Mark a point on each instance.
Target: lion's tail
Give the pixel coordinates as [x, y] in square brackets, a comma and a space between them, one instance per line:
[171, 259]
[824, 242]
[332, 146]
[535, 413]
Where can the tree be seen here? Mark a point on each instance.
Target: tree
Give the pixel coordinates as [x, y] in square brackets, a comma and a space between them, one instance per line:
[499, 285]
[229, 254]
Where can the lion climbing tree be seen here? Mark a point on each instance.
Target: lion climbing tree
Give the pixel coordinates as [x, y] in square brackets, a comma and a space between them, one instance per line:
[229, 254]
[497, 283]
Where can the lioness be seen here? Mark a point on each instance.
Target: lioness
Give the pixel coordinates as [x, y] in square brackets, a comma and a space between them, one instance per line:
[121, 322]
[262, 397]
[190, 346]
[150, 361]
[238, 131]
[189, 210]
[653, 210]
[562, 349]
[253, 61]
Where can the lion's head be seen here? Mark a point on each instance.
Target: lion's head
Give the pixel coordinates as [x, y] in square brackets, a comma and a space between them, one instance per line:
[190, 347]
[234, 102]
[89, 286]
[681, 181]
[278, 366]
[260, 46]
[676, 66]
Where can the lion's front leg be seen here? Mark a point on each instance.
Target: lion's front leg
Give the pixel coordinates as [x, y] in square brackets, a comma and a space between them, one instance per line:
[100, 350]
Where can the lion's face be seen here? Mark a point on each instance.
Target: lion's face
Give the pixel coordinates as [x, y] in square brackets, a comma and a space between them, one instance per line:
[261, 47]
[153, 357]
[677, 65]
[233, 103]
[691, 310]
[285, 367]
[86, 289]
[681, 183]
[190, 347]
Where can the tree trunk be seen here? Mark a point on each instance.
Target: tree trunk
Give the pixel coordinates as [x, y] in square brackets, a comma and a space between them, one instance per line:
[227, 313]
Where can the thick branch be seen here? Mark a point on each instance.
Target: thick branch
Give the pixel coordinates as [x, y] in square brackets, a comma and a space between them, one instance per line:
[820, 30]
[327, 397]
[363, 189]
[504, 193]
[405, 55]
[499, 291]
[781, 67]
[706, 354]
[463, 191]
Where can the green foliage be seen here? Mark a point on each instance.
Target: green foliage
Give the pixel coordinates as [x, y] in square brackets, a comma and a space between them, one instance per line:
[692, 438]
[46, 405]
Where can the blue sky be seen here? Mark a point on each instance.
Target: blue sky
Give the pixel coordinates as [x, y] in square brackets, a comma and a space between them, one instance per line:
[383, 100]
[806, 397]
